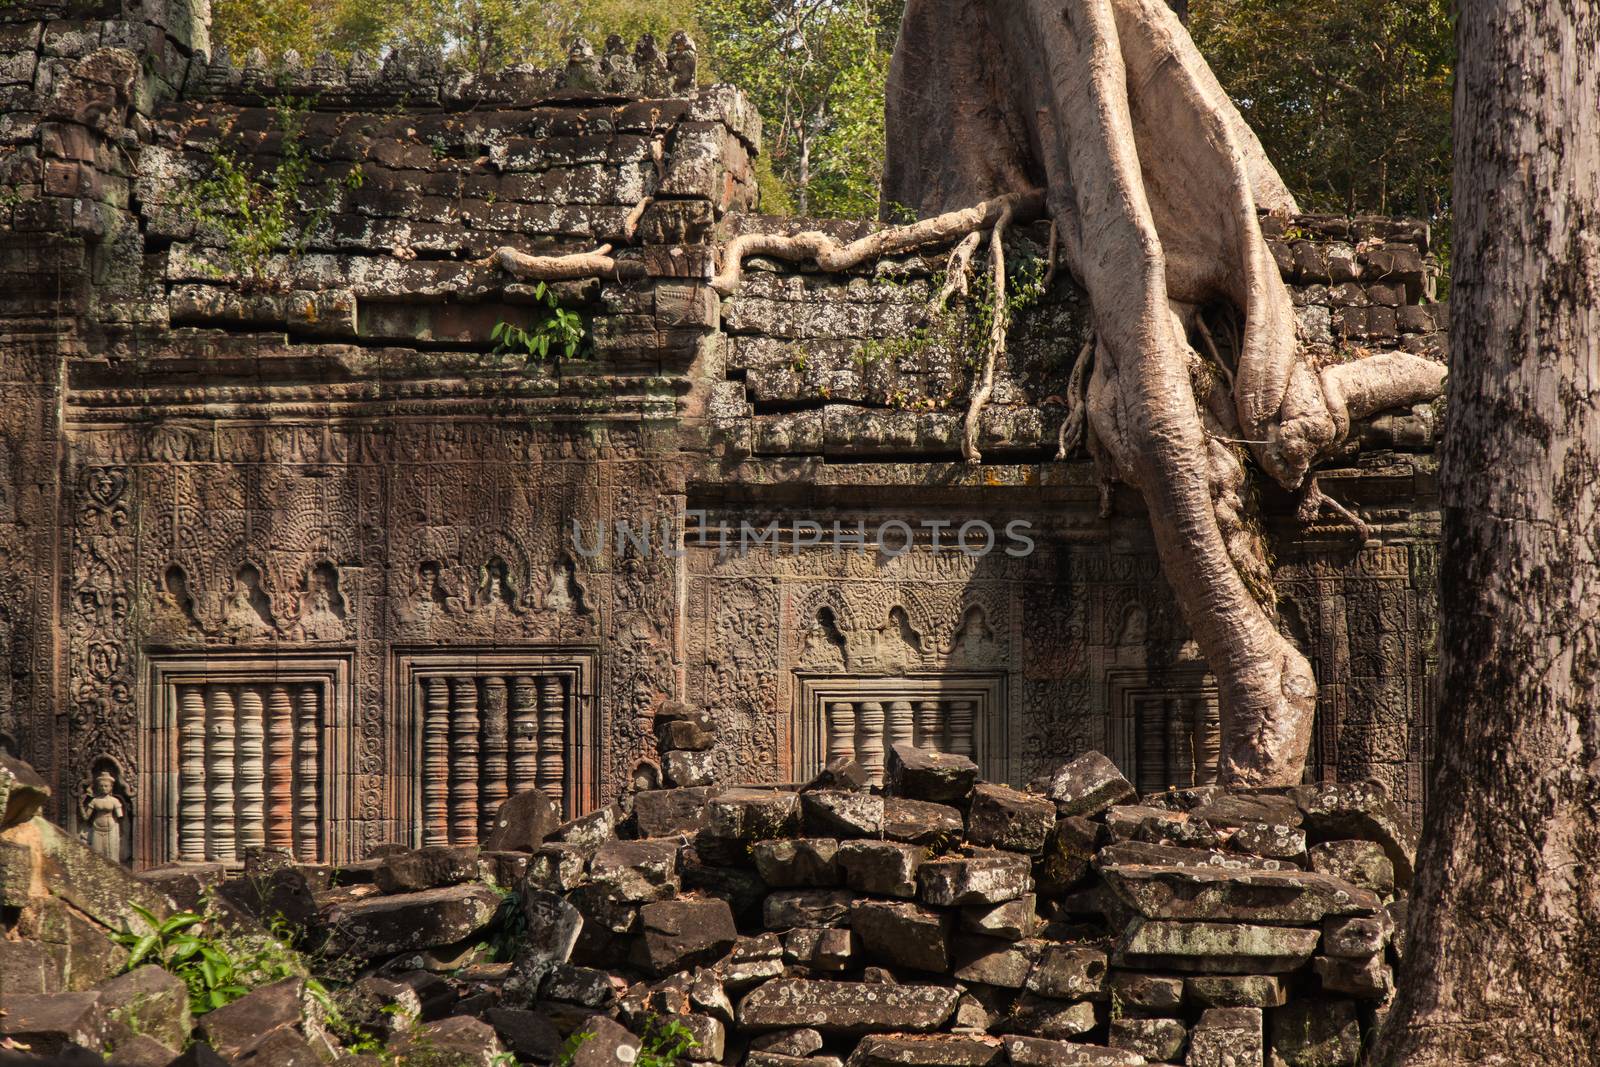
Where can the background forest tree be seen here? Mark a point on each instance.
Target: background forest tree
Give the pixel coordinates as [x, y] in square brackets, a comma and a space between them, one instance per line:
[1350, 99]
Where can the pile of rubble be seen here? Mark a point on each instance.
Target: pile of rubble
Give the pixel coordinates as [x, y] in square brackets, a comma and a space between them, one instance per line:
[939, 922]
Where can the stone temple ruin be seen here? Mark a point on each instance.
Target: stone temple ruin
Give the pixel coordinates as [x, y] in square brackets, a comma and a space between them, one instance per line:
[304, 565]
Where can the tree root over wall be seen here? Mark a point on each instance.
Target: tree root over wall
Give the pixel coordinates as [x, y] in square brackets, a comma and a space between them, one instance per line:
[1152, 182]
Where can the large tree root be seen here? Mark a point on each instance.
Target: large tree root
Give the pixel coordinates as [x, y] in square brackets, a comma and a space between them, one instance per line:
[1153, 182]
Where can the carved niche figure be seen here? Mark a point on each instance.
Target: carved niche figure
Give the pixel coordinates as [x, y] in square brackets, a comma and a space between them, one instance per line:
[974, 643]
[104, 813]
[496, 591]
[322, 606]
[824, 647]
[248, 610]
[172, 608]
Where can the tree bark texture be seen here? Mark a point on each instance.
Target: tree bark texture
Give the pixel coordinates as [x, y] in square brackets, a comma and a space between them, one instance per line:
[1503, 958]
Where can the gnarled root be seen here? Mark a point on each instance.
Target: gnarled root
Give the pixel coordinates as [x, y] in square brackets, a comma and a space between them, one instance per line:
[996, 348]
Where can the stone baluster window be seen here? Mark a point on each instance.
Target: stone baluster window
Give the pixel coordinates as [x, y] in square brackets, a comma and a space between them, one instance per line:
[863, 718]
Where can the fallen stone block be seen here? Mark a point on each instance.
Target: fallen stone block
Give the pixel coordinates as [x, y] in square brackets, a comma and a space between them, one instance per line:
[1146, 992]
[558, 867]
[842, 814]
[1226, 1037]
[591, 830]
[610, 1045]
[52, 1023]
[685, 768]
[383, 926]
[289, 1048]
[1236, 990]
[30, 967]
[149, 1001]
[801, 1041]
[529, 1035]
[1158, 1040]
[1048, 1017]
[847, 1007]
[459, 1041]
[903, 934]
[788, 909]
[751, 815]
[1011, 920]
[1001, 817]
[1367, 979]
[773, 1059]
[1216, 895]
[1241, 809]
[522, 823]
[886, 868]
[1214, 948]
[236, 1027]
[1087, 785]
[1357, 936]
[840, 772]
[753, 960]
[133, 1050]
[1361, 863]
[926, 1050]
[1002, 964]
[1127, 822]
[664, 812]
[426, 868]
[921, 822]
[23, 793]
[1042, 1052]
[571, 984]
[683, 736]
[381, 1006]
[1069, 972]
[1273, 841]
[826, 949]
[1130, 853]
[927, 774]
[807, 861]
[1360, 810]
[679, 934]
[637, 872]
[1317, 1033]
[1068, 854]
[991, 878]
[553, 926]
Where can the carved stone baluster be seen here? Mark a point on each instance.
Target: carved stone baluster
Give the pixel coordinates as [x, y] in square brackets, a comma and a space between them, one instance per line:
[869, 739]
[495, 743]
[280, 768]
[902, 730]
[435, 761]
[959, 725]
[464, 727]
[307, 807]
[252, 769]
[929, 722]
[524, 735]
[553, 740]
[841, 730]
[191, 773]
[221, 841]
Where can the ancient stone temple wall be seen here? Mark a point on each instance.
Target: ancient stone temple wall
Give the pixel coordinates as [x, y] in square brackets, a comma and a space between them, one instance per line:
[302, 561]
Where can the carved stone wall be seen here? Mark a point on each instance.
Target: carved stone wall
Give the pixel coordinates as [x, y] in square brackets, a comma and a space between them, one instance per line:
[466, 572]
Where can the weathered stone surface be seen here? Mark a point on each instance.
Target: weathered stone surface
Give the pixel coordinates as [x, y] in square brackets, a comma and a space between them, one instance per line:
[1226, 1037]
[1155, 1039]
[836, 813]
[1240, 809]
[926, 1050]
[1069, 972]
[148, 1001]
[1006, 818]
[751, 815]
[1041, 1052]
[33, 967]
[1368, 979]
[1361, 810]
[920, 822]
[801, 1041]
[23, 793]
[684, 736]
[379, 926]
[1361, 863]
[664, 812]
[753, 960]
[233, 1028]
[847, 1007]
[611, 1046]
[1131, 853]
[887, 868]
[709, 1035]
[426, 868]
[679, 934]
[926, 774]
[1312, 1034]
[1146, 992]
[1212, 894]
[553, 927]
[588, 986]
[134, 1050]
[990, 878]
[1274, 841]
[558, 867]
[380, 1006]
[637, 872]
[522, 823]
[825, 949]
[807, 861]
[1087, 785]
[1357, 936]
[789, 908]
[1214, 948]
[1012, 920]
[684, 767]
[459, 1041]
[992, 962]
[51, 1023]
[1129, 822]
[1068, 853]
[1235, 990]
[903, 934]
[527, 1034]
[840, 772]
[591, 830]
[1049, 1017]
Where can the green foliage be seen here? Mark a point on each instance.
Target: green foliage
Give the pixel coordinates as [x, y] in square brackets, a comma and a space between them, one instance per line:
[1351, 100]
[558, 329]
[665, 1042]
[570, 1047]
[217, 966]
[259, 214]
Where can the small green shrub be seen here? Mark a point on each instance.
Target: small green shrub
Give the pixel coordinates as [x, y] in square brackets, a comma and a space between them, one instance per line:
[558, 329]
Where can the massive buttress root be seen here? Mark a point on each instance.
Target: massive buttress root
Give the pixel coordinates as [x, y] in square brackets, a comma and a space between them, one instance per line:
[1153, 181]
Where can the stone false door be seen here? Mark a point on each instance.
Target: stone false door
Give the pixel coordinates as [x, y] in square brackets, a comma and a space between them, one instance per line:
[863, 718]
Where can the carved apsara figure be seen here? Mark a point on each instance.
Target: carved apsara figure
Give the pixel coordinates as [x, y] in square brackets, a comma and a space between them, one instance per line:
[103, 811]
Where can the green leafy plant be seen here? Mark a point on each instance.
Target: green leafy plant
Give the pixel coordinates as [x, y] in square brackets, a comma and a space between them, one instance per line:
[570, 1047]
[557, 330]
[664, 1043]
[256, 214]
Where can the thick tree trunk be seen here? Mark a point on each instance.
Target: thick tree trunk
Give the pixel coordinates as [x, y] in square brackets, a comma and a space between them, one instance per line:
[1503, 959]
